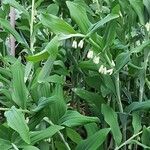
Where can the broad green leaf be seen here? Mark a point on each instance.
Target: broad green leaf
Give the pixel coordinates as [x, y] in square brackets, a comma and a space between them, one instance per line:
[136, 122]
[7, 99]
[73, 135]
[43, 90]
[92, 81]
[43, 102]
[44, 134]
[73, 118]
[46, 70]
[57, 109]
[100, 23]
[111, 118]
[88, 65]
[94, 141]
[65, 36]
[60, 145]
[139, 9]
[16, 121]
[86, 6]
[55, 79]
[53, 9]
[39, 56]
[20, 92]
[35, 119]
[91, 128]
[16, 5]
[51, 51]
[109, 83]
[44, 145]
[5, 145]
[6, 25]
[121, 60]
[3, 130]
[136, 106]
[38, 3]
[110, 34]
[147, 5]
[56, 24]
[90, 97]
[78, 14]
[141, 47]
[146, 136]
[28, 69]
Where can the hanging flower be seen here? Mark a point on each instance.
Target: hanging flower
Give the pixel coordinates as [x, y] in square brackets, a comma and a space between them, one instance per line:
[96, 60]
[74, 44]
[101, 69]
[81, 43]
[147, 26]
[90, 54]
[110, 71]
[104, 70]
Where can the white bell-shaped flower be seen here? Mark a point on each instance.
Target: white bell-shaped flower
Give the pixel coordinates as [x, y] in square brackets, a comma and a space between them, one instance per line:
[81, 43]
[104, 70]
[96, 60]
[101, 69]
[110, 71]
[147, 26]
[74, 44]
[90, 54]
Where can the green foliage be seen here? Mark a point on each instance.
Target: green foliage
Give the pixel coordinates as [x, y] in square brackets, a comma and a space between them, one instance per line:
[17, 122]
[80, 77]
[111, 118]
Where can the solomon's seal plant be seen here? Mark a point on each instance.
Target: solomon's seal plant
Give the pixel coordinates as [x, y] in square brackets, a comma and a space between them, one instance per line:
[74, 74]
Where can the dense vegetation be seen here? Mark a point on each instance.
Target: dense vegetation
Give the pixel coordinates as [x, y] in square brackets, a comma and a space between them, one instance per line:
[74, 74]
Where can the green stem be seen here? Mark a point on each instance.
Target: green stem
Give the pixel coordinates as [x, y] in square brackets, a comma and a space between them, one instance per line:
[14, 146]
[130, 139]
[31, 26]
[60, 134]
[117, 80]
[93, 42]
[108, 60]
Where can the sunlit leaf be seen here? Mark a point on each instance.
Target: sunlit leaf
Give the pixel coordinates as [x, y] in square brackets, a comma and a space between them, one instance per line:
[20, 92]
[16, 121]
[73, 118]
[56, 24]
[111, 118]
[94, 141]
